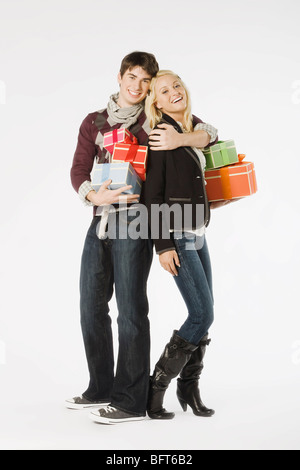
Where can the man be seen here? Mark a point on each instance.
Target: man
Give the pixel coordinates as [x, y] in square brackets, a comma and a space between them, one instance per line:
[122, 264]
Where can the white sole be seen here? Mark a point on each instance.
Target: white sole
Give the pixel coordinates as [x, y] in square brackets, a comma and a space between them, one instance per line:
[74, 406]
[102, 420]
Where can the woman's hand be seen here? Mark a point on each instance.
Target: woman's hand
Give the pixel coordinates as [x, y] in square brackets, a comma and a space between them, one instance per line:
[216, 204]
[169, 260]
[107, 196]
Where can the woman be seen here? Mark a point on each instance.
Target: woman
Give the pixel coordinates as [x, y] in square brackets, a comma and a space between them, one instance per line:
[175, 178]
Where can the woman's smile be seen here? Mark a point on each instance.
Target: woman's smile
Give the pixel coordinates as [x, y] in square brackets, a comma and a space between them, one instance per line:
[176, 100]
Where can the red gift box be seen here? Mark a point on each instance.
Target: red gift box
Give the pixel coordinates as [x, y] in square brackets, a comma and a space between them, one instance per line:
[133, 153]
[117, 135]
[231, 182]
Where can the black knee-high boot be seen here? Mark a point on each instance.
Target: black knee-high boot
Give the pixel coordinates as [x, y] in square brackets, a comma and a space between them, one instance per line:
[176, 354]
[187, 384]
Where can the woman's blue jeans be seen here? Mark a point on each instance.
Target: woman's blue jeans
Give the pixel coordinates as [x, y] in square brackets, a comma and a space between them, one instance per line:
[194, 281]
[122, 264]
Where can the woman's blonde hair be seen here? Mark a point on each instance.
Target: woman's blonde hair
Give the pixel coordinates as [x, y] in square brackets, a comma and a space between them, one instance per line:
[154, 114]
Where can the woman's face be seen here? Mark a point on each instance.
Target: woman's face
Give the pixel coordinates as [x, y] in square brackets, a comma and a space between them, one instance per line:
[171, 96]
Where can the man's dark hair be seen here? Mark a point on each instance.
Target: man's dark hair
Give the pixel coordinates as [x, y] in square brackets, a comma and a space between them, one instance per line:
[140, 59]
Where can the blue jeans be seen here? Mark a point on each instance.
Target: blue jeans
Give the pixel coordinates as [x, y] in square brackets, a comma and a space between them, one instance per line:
[194, 281]
[123, 265]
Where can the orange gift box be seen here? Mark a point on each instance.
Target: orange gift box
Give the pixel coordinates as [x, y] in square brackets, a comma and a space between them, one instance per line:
[133, 153]
[231, 182]
[117, 135]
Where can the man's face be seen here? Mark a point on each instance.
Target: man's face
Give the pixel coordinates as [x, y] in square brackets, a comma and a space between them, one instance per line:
[134, 86]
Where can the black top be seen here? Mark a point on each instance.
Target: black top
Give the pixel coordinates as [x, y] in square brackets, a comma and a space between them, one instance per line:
[175, 179]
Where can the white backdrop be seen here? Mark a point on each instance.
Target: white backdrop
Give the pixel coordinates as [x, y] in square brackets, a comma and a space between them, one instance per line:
[58, 62]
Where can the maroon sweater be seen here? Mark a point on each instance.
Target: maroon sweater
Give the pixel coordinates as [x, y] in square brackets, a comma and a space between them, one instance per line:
[91, 134]
[88, 149]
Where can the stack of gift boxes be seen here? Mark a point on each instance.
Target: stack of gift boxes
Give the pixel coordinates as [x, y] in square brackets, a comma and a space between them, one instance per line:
[227, 175]
[128, 162]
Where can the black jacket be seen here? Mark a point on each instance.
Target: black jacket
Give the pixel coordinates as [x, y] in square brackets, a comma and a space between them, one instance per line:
[174, 178]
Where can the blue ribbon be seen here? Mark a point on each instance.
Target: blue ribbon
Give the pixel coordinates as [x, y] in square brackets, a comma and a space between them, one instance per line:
[105, 172]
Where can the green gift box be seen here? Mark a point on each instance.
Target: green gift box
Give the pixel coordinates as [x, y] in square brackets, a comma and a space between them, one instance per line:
[222, 153]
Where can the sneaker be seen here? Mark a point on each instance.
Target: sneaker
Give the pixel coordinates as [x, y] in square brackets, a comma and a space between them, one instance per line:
[111, 415]
[81, 403]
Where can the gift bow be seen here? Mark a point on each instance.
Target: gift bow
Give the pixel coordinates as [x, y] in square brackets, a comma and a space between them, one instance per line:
[127, 138]
[225, 178]
[131, 153]
[225, 156]
[130, 156]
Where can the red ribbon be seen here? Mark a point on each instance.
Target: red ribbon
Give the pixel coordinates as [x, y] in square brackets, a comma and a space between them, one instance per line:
[127, 139]
[115, 135]
[131, 154]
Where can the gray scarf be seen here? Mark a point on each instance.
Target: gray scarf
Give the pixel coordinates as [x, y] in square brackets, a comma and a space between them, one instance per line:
[126, 116]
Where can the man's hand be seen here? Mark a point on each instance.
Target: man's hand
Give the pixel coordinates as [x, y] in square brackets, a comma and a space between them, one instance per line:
[216, 204]
[165, 138]
[105, 196]
[169, 260]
